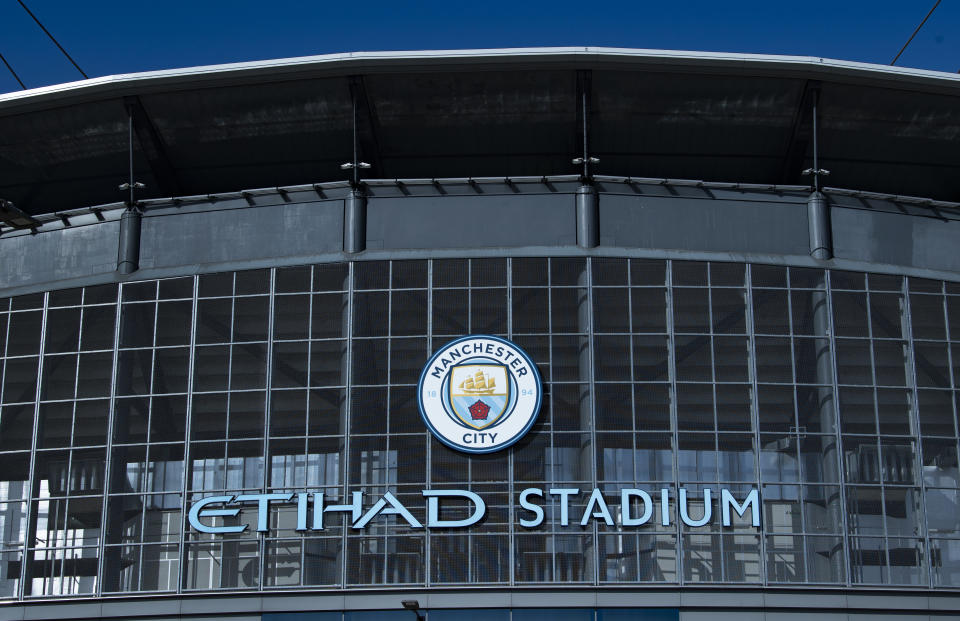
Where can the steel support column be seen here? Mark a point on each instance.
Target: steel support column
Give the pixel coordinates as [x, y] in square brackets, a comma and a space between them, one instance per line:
[355, 221]
[818, 219]
[128, 255]
[588, 217]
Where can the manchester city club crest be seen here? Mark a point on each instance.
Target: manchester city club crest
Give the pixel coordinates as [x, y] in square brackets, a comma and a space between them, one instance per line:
[479, 394]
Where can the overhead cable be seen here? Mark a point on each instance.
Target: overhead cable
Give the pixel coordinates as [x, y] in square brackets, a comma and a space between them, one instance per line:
[19, 81]
[57, 43]
[935, 5]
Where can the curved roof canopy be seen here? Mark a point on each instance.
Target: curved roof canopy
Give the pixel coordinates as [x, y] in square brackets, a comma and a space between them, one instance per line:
[475, 113]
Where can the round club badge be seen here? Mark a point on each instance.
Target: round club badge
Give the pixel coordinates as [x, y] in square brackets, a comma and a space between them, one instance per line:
[479, 394]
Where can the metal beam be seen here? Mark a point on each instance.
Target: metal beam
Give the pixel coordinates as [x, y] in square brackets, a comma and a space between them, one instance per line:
[368, 125]
[154, 149]
[801, 136]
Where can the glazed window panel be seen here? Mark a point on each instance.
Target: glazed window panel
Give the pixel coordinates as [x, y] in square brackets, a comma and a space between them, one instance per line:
[826, 392]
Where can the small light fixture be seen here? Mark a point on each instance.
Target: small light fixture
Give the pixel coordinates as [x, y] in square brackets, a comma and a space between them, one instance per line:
[350, 165]
[413, 606]
[590, 160]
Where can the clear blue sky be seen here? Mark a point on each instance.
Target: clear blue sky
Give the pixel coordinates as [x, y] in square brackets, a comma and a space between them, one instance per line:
[107, 37]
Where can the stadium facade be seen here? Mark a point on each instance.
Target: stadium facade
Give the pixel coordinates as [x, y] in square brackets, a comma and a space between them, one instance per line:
[212, 393]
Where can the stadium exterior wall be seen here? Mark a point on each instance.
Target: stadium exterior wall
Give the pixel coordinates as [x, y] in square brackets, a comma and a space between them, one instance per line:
[698, 345]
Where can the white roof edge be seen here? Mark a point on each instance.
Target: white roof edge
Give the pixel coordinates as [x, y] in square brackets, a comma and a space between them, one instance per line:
[479, 55]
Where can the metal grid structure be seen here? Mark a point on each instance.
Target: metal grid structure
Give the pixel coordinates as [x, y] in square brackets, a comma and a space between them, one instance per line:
[833, 393]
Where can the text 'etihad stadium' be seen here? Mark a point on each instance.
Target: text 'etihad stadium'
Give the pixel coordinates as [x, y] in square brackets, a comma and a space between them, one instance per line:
[478, 394]
[636, 508]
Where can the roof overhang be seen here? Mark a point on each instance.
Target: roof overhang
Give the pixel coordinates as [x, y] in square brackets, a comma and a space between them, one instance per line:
[740, 118]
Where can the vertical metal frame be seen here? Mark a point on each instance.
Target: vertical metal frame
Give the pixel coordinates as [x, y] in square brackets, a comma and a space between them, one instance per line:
[388, 381]
[184, 549]
[750, 327]
[227, 443]
[548, 474]
[803, 484]
[951, 361]
[18, 589]
[718, 538]
[265, 482]
[511, 479]
[881, 484]
[306, 422]
[631, 329]
[104, 515]
[428, 473]
[31, 516]
[348, 409]
[591, 365]
[674, 418]
[914, 388]
[841, 463]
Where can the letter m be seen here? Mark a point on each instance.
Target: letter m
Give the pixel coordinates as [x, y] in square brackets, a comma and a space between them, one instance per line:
[752, 500]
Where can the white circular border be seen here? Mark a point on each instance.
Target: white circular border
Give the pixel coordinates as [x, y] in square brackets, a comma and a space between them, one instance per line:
[515, 426]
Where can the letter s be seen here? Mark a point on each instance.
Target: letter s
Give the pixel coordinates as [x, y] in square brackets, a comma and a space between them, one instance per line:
[537, 510]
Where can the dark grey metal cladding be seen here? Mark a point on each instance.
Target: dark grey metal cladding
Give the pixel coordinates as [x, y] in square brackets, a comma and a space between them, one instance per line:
[896, 238]
[62, 254]
[308, 224]
[472, 221]
[771, 224]
[223, 236]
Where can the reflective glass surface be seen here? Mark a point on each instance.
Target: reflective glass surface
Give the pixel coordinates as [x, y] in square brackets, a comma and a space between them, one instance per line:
[834, 394]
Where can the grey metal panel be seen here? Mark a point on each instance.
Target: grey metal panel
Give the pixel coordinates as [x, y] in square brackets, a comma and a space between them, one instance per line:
[713, 615]
[126, 608]
[560, 599]
[777, 227]
[242, 234]
[722, 599]
[467, 222]
[219, 605]
[11, 613]
[294, 603]
[439, 599]
[870, 616]
[62, 611]
[57, 255]
[827, 600]
[880, 601]
[897, 239]
[718, 603]
[632, 599]
[826, 614]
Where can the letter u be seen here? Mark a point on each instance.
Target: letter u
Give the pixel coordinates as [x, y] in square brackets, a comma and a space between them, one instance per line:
[684, 513]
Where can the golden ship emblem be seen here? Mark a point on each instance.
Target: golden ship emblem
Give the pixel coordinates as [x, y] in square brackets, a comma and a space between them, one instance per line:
[478, 384]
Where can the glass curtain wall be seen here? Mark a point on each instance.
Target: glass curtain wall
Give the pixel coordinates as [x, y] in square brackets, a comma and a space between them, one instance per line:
[832, 393]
